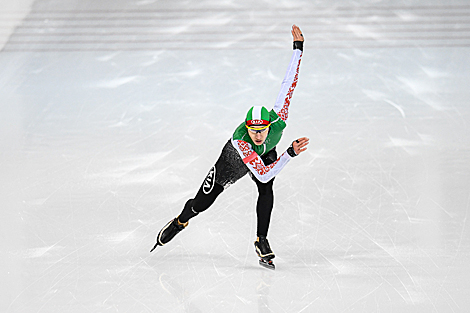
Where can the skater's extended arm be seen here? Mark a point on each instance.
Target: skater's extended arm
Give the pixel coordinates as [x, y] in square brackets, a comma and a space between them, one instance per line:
[281, 107]
[255, 164]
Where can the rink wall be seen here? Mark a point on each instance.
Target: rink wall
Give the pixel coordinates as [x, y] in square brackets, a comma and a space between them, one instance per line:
[12, 14]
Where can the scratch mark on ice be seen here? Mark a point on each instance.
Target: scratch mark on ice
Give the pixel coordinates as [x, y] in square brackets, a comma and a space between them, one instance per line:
[396, 106]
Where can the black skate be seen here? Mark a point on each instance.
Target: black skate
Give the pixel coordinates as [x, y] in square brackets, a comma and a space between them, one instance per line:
[265, 253]
[167, 233]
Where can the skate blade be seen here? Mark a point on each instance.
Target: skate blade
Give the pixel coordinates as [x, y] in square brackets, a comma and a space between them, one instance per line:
[267, 264]
[154, 247]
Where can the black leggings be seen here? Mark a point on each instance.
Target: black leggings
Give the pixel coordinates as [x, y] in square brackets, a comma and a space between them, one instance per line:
[211, 189]
[264, 206]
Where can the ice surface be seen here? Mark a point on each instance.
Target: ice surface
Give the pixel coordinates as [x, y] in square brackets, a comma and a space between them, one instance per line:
[112, 112]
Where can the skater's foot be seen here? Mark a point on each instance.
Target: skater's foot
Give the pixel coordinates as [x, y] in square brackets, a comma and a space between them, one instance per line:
[170, 230]
[265, 253]
[263, 249]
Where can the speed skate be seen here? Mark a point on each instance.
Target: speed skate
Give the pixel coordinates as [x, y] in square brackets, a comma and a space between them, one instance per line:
[265, 253]
[268, 263]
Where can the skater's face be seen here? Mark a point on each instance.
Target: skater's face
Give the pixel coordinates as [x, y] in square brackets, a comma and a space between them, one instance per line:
[258, 134]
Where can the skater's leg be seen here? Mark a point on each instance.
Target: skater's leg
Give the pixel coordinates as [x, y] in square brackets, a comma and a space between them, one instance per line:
[264, 206]
[227, 170]
[200, 203]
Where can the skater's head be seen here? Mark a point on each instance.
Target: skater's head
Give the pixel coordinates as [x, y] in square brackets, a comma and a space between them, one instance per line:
[257, 123]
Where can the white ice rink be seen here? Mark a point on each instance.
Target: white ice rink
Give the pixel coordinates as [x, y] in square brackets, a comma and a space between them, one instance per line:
[112, 113]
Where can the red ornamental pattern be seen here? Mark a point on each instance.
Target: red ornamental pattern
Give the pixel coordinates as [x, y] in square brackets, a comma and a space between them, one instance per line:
[284, 112]
[244, 148]
[259, 167]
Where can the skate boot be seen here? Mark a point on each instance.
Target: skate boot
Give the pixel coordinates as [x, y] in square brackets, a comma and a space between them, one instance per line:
[169, 231]
[264, 252]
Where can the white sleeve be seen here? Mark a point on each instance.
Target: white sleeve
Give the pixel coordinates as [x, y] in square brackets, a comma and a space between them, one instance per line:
[255, 164]
[281, 107]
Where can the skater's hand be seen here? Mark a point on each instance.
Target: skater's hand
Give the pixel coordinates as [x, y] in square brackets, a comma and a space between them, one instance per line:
[297, 33]
[300, 145]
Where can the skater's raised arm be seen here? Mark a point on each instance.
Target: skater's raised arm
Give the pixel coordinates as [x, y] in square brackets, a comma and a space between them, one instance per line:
[281, 106]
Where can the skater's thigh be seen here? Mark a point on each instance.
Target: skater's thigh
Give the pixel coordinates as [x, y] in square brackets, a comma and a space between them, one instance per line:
[228, 169]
